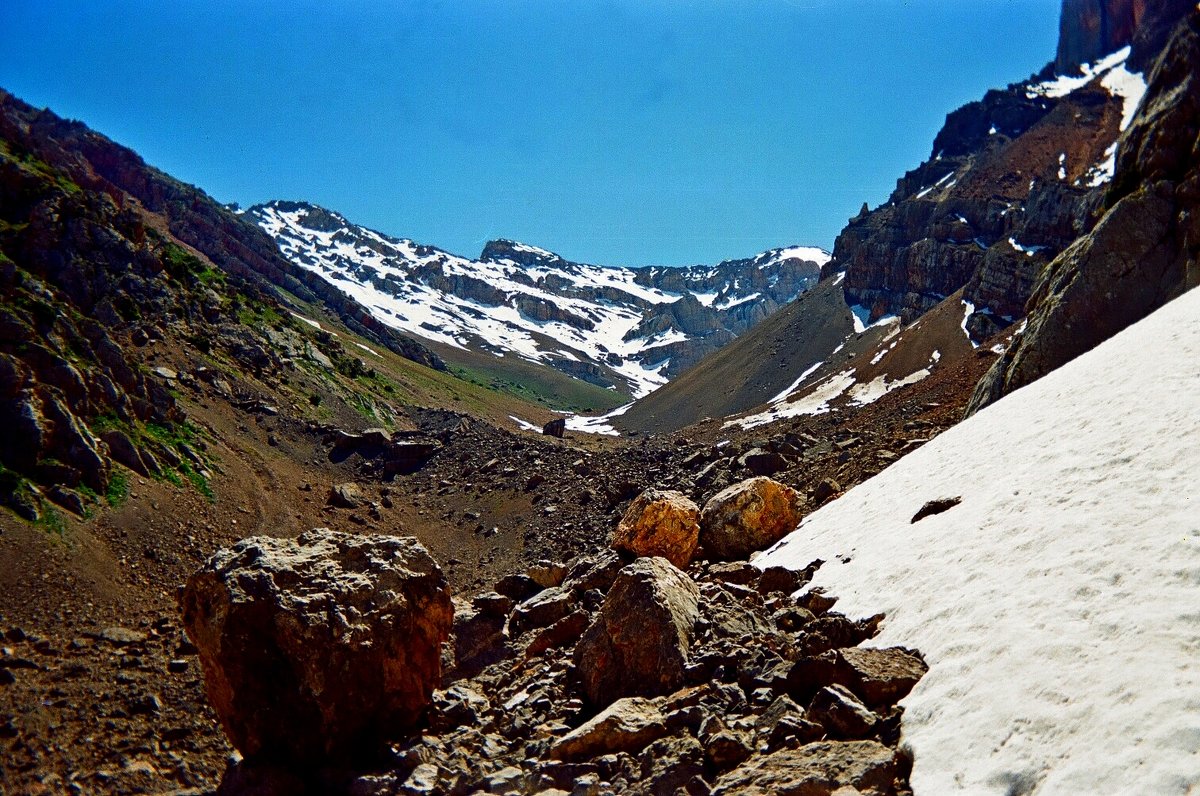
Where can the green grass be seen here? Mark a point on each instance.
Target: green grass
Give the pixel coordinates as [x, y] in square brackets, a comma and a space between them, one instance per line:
[118, 489]
[53, 522]
[198, 481]
[180, 261]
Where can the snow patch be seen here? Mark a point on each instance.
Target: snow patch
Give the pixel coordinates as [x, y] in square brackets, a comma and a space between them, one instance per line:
[1056, 604]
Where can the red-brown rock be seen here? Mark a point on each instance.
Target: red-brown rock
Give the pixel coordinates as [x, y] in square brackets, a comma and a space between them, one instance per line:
[320, 647]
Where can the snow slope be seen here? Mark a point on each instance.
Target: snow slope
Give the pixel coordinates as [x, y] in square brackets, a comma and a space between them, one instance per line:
[607, 325]
[1059, 604]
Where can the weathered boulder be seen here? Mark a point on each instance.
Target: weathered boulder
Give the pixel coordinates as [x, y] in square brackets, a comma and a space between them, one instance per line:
[660, 523]
[542, 609]
[320, 647]
[817, 769]
[624, 726]
[638, 644]
[555, 428]
[841, 713]
[748, 516]
[880, 676]
[347, 496]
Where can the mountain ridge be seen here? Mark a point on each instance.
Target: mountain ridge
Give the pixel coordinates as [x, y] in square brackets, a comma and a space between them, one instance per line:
[629, 329]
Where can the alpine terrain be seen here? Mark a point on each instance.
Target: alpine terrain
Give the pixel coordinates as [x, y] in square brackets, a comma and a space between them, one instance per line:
[291, 506]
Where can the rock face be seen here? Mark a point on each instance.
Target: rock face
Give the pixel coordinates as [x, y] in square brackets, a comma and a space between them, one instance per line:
[638, 644]
[320, 647]
[749, 516]
[1144, 251]
[660, 523]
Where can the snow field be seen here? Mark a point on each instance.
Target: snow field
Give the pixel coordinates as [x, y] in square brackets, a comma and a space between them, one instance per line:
[1059, 604]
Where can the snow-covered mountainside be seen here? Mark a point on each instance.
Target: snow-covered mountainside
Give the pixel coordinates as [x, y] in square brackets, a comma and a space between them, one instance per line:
[1056, 602]
[628, 328]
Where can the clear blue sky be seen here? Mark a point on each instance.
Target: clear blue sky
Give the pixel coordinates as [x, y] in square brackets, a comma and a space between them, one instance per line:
[615, 132]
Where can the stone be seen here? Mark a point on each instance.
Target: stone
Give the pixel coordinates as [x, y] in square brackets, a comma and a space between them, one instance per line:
[660, 523]
[347, 496]
[624, 726]
[555, 428]
[749, 516]
[547, 574]
[321, 647]
[780, 579]
[816, 769]
[824, 490]
[935, 507]
[784, 719]
[544, 608]
[880, 676]
[559, 634]
[841, 713]
[762, 462]
[639, 642]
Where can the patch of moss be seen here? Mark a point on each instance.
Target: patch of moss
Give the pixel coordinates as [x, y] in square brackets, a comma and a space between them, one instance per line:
[118, 489]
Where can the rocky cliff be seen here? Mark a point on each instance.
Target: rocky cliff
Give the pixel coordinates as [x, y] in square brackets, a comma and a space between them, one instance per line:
[1012, 180]
[1144, 251]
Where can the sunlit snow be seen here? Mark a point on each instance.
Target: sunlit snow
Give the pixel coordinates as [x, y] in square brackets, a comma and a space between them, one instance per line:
[1057, 603]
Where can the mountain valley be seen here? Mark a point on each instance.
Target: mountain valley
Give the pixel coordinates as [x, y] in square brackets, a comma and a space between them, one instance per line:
[522, 446]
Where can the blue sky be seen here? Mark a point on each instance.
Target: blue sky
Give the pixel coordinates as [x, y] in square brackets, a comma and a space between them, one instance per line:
[625, 133]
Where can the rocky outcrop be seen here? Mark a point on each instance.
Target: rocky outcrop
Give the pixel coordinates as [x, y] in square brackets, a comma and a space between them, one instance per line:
[749, 516]
[1012, 181]
[318, 648]
[659, 523]
[638, 645]
[1145, 249]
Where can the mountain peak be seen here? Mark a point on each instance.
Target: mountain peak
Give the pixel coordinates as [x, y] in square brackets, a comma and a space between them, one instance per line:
[503, 249]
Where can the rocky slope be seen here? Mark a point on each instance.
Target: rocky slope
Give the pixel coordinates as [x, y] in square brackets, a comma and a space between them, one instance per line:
[91, 161]
[631, 329]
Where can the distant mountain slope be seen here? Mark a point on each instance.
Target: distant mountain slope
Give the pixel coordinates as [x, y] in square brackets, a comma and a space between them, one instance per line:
[627, 328]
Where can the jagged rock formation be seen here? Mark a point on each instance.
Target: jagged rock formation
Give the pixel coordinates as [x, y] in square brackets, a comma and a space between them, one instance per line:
[1012, 180]
[319, 648]
[1146, 248]
[633, 328]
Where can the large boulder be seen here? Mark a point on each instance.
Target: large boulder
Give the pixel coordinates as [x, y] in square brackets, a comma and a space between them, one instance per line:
[748, 516]
[320, 647]
[660, 523]
[816, 769]
[638, 644]
[626, 725]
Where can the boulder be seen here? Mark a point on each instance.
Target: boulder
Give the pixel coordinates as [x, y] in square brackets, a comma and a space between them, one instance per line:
[624, 726]
[544, 608]
[660, 523]
[817, 769]
[638, 644]
[555, 428]
[880, 676]
[748, 516]
[347, 496]
[841, 713]
[321, 647]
